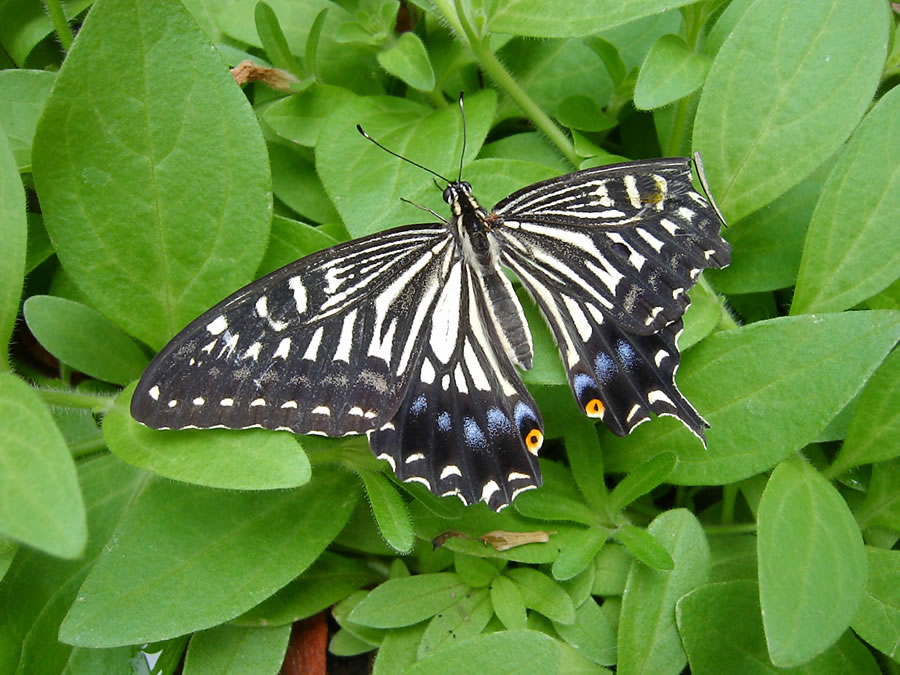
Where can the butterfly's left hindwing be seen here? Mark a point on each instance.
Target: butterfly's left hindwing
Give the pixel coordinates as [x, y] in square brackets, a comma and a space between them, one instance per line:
[325, 345]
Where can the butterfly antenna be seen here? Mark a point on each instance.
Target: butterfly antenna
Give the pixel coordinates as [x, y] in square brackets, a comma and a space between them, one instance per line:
[424, 208]
[462, 113]
[405, 159]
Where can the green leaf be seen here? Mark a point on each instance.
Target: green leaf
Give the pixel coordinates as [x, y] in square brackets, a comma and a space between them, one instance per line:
[766, 246]
[671, 71]
[843, 265]
[398, 650]
[408, 600]
[648, 638]
[84, 339]
[611, 568]
[758, 414]
[722, 631]
[591, 634]
[881, 507]
[345, 643]
[808, 541]
[543, 594]
[23, 25]
[14, 234]
[646, 477]
[476, 572]
[508, 603]
[464, 619]
[297, 185]
[213, 555]
[366, 183]
[300, 117]
[41, 503]
[785, 90]
[701, 317]
[330, 579]
[32, 611]
[512, 651]
[874, 431]
[407, 60]
[151, 169]
[290, 241]
[645, 547]
[390, 511]
[251, 459]
[233, 649]
[570, 18]
[579, 553]
[583, 113]
[22, 97]
[610, 56]
[273, 41]
[878, 619]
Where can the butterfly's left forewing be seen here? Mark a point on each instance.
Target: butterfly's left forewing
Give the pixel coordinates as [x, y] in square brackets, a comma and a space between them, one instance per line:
[325, 345]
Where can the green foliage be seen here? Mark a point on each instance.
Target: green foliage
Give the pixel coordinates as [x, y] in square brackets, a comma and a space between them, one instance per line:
[136, 189]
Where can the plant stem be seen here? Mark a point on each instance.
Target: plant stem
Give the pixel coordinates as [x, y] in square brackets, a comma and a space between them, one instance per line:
[495, 70]
[75, 399]
[60, 24]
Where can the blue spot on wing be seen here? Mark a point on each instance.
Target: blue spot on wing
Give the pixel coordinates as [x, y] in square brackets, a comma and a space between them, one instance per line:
[605, 367]
[626, 354]
[498, 423]
[444, 422]
[474, 435]
[418, 406]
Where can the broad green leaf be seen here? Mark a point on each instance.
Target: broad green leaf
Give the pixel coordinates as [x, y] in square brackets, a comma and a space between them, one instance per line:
[878, 619]
[14, 234]
[212, 555]
[41, 504]
[543, 594]
[514, 651]
[390, 511]
[808, 542]
[766, 245]
[296, 183]
[759, 414]
[646, 477]
[508, 603]
[38, 589]
[648, 638]
[235, 649]
[785, 90]
[528, 146]
[345, 643]
[84, 339]
[733, 557]
[583, 113]
[250, 459]
[330, 579]
[300, 117]
[398, 650]
[585, 459]
[611, 568]
[22, 97]
[591, 634]
[476, 572]
[557, 500]
[341, 613]
[290, 241]
[874, 432]
[701, 317]
[852, 247]
[408, 600]
[671, 71]
[645, 547]
[579, 553]
[464, 619]
[570, 18]
[366, 183]
[407, 60]
[722, 631]
[151, 169]
[881, 507]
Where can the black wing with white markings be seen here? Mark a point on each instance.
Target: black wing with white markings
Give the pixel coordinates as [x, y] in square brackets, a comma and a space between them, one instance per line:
[609, 255]
[467, 425]
[325, 345]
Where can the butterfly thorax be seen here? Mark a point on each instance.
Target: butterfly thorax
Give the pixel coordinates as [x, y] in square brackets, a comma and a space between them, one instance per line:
[502, 309]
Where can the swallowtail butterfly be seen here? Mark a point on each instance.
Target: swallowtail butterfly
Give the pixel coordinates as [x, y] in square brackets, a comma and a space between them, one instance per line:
[412, 335]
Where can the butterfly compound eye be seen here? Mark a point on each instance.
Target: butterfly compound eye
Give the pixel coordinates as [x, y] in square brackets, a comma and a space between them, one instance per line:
[449, 194]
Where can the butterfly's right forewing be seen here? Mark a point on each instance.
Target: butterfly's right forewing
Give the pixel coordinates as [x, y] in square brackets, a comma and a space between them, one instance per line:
[325, 345]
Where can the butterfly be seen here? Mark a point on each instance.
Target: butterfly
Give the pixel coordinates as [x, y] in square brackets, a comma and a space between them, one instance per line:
[413, 335]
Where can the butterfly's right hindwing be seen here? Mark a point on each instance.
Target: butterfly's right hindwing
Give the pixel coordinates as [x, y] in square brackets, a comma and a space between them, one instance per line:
[325, 345]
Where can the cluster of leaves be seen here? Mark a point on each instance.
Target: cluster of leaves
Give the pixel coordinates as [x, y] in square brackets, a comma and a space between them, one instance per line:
[151, 178]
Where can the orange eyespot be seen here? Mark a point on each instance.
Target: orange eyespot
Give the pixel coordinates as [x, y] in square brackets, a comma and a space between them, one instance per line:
[534, 440]
[594, 408]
